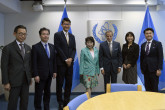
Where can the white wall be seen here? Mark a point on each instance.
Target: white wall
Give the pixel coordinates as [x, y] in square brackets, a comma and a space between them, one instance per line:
[1, 43]
[1, 29]
[10, 6]
[132, 18]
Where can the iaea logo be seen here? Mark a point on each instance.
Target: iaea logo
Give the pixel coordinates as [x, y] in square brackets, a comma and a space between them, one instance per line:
[103, 30]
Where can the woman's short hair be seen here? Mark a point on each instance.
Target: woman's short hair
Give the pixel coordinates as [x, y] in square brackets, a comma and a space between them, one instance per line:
[90, 38]
[128, 34]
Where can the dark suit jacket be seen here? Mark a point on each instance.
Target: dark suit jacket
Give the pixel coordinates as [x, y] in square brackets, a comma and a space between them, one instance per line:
[14, 67]
[63, 50]
[105, 58]
[43, 66]
[154, 60]
[132, 53]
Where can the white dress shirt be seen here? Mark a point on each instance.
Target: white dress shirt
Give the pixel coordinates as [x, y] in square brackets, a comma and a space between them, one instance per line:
[66, 35]
[18, 43]
[92, 54]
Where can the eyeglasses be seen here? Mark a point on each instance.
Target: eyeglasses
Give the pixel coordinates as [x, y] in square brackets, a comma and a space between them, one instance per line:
[45, 34]
[66, 24]
[22, 34]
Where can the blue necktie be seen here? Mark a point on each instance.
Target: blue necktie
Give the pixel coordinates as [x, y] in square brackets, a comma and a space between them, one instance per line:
[46, 49]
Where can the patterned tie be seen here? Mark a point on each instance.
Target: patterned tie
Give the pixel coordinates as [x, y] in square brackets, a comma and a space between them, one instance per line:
[67, 39]
[46, 49]
[147, 48]
[22, 50]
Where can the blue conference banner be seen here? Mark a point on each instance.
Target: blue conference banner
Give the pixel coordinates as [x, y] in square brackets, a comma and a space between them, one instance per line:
[76, 76]
[148, 23]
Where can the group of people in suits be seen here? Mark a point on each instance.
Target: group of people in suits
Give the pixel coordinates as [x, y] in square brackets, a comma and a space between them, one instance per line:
[110, 58]
[20, 63]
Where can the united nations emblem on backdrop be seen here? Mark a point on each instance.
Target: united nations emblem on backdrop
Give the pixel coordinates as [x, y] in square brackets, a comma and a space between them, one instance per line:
[97, 29]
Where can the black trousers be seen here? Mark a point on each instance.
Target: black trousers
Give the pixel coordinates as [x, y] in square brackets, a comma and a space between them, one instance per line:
[151, 81]
[21, 92]
[66, 73]
[42, 86]
[110, 76]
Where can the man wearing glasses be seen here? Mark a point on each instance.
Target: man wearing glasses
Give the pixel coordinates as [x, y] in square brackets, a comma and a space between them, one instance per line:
[16, 69]
[65, 45]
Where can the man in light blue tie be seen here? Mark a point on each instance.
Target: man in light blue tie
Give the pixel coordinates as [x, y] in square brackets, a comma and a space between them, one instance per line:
[44, 68]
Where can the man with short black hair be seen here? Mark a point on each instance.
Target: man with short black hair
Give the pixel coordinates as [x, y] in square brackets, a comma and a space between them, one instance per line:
[151, 60]
[65, 45]
[16, 69]
[44, 68]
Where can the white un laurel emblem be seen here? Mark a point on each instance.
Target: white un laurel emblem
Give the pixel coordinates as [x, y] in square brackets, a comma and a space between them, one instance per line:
[103, 30]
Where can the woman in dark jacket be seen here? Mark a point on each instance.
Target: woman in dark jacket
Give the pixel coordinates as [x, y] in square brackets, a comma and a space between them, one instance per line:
[130, 54]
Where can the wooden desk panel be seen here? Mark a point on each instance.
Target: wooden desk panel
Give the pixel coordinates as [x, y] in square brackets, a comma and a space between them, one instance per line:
[126, 100]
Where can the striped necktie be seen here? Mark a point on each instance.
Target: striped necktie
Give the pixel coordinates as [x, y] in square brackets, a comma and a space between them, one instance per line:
[22, 50]
[147, 48]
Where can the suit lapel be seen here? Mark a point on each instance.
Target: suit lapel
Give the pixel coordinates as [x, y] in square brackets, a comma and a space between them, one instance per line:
[88, 54]
[95, 54]
[152, 46]
[70, 37]
[143, 47]
[43, 49]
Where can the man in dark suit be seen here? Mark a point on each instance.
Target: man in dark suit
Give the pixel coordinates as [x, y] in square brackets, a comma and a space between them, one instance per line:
[16, 69]
[65, 45]
[110, 59]
[44, 68]
[151, 60]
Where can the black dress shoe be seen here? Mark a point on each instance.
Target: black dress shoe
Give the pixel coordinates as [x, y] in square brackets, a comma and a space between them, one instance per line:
[60, 107]
[65, 103]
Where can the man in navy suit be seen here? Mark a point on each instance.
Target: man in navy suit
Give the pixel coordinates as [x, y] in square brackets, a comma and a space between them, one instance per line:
[110, 59]
[65, 45]
[151, 60]
[44, 68]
